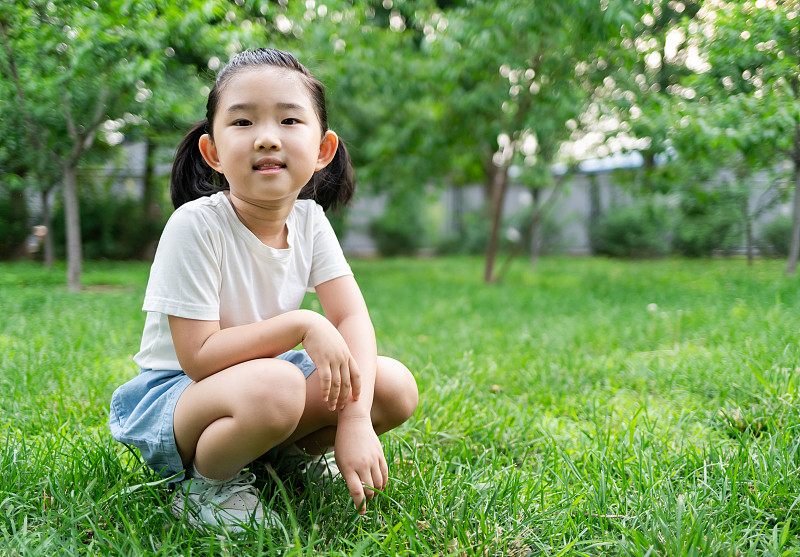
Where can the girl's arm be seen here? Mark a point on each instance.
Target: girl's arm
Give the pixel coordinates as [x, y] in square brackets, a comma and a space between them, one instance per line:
[345, 308]
[203, 348]
[359, 454]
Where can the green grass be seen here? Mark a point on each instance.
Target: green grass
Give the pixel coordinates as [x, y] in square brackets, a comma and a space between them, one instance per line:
[582, 407]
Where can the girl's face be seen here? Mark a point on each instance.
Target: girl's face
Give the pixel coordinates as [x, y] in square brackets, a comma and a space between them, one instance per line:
[267, 137]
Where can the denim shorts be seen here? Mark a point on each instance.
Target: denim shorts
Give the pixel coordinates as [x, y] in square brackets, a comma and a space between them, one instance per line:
[142, 409]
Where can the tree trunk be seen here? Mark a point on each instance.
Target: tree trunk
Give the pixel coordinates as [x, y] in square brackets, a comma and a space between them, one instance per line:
[499, 183]
[536, 239]
[748, 225]
[148, 182]
[73, 225]
[19, 210]
[595, 211]
[47, 221]
[794, 249]
[458, 211]
[748, 228]
[149, 204]
[532, 232]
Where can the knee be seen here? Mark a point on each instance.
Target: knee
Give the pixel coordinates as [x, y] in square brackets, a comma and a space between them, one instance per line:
[274, 397]
[396, 394]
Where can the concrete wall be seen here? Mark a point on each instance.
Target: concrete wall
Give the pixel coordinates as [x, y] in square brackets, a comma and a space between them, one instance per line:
[571, 210]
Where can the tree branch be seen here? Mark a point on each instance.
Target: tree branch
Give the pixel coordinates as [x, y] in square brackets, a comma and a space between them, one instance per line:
[82, 143]
[536, 214]
[71, 130]
[33, 136]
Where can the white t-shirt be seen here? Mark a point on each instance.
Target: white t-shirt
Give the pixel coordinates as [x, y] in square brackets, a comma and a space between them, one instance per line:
[209, 266]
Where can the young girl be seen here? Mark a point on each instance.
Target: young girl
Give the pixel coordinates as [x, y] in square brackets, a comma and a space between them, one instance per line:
[220, 384]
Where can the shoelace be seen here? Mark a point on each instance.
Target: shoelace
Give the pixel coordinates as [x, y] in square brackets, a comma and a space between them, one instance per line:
[242, 482]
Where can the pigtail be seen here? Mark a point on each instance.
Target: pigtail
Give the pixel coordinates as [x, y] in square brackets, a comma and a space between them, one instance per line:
[191, 176]
[334, 185]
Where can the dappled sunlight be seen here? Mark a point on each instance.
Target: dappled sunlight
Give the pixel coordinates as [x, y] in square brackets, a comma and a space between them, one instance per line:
[576, 223]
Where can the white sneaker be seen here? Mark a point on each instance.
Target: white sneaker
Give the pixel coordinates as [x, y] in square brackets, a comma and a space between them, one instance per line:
[318, 468]
[230, 504]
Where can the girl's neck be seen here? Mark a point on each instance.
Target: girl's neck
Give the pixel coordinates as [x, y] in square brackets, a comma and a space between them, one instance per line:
[266, 222]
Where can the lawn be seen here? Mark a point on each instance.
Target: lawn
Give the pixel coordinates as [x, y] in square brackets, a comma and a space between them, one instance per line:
[583, 406]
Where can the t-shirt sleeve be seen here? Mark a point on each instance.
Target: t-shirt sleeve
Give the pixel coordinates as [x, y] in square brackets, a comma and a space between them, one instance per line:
[328, 260]
[185, 277]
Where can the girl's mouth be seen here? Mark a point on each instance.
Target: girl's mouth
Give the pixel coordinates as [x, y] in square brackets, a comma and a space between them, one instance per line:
[269, 164]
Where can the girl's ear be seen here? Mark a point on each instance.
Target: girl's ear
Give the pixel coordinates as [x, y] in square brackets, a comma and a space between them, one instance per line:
[327, 149]
[209, 152]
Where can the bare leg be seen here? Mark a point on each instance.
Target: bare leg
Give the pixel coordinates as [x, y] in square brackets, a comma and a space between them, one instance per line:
[395, 400]
[234, 416]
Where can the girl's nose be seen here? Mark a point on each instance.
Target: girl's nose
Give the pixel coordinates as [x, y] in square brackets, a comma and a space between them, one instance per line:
[267, 139]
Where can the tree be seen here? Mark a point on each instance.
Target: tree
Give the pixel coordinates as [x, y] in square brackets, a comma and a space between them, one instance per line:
[707, 86]
[635, 107]
[751, 87]
[512, 79]
[24, 137]
[460, 91]
[73, 67]
[642, 83]
[711, 134]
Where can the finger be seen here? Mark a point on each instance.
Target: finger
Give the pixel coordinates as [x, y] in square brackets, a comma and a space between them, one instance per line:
[336, 385]
[355, 379]
[345, 388]
[377, 477]
[324, 381]
[368, 482]
[356, 490]
[384, 470]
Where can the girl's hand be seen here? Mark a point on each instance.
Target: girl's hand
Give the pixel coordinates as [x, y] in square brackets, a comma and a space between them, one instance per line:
[360, 459]
[338, 371]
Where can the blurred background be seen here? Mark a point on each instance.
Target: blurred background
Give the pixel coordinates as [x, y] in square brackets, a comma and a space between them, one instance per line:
[508, 128]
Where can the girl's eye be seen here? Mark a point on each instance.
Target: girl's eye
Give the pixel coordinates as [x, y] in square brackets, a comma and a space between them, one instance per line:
[241, 123]
[290, 121]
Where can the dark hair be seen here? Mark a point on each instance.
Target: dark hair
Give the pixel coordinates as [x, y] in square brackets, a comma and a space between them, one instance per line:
[192, 177]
